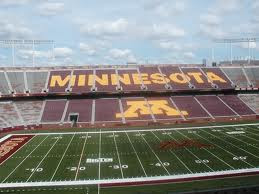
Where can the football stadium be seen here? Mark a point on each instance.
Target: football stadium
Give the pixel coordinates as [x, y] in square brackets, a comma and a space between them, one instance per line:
[129, 129]
[129, 97]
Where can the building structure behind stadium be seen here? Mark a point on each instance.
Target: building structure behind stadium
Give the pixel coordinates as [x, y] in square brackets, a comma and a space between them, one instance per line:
[126, 95]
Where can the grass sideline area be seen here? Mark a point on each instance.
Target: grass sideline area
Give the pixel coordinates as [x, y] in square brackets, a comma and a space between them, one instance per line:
[99, 161]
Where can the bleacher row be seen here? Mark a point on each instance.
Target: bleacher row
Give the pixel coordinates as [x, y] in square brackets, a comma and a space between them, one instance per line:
[127, 109]
[152, 78]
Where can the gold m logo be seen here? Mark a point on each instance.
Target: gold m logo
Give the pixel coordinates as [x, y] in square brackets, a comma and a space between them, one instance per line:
[158, 107]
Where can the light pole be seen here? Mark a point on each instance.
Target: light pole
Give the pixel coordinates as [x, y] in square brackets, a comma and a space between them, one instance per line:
[237, 40]
[14, 43]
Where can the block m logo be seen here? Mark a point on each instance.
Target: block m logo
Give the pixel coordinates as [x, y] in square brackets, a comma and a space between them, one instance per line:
[158, 107]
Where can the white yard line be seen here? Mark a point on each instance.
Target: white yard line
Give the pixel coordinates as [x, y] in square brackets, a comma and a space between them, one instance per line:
[210, 153]
[251, 132]
[192, 154]
[136, 155]
[99, 168]
[174, 154]
[223, 149]
[62, 158]
[154, 154]
[146, 130]
[118, 155]
[5, 137]
[127, 180]
[81, 156]
[232, 144]
[240, 140]
[42, 160]
[24, 159]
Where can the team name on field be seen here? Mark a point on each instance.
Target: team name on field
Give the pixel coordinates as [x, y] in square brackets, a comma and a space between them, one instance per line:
[97, 160]
[133, 79]
[11, 144]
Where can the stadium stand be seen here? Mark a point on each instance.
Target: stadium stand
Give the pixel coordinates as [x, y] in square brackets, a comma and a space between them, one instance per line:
[16, 79]
[175, 73]
[252, 100]
[237, 105]
[197, 78]
[4, 87]
[53, 111]
[237, 76]
[36, 81]
[30, 111]
[215, 106]
[116, 104]
[188, 103]
[217, 77]
[9, 113]
[252, 73]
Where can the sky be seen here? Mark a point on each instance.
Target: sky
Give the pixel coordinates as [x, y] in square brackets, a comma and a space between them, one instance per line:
[117, 32]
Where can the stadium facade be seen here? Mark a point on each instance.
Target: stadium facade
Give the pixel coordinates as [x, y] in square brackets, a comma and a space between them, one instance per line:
[126, 95]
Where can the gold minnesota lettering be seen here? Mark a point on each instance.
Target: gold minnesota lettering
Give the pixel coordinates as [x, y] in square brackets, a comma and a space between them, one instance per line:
[83, 80]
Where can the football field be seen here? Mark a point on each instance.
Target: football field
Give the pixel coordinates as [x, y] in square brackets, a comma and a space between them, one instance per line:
[128, 157]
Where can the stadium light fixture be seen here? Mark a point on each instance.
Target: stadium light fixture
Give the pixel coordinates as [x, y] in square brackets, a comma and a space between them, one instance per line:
[14, 43]
[238, 40]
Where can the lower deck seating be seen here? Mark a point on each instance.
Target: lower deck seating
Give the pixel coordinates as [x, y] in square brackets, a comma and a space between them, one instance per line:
[252, 100]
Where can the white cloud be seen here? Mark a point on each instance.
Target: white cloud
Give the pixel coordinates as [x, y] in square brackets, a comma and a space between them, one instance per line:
[87, 49]
[63, 52]
[105, 29]
[13, 2]
[226, 6]
[189, 55]
[120, 54]
[164, 32]
[176, 46]
[210, 19]
[13, 30]
[169, 8]
[51, 8]
[212, 32]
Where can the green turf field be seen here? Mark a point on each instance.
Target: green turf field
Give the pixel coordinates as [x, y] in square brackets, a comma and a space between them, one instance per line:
[95, 162]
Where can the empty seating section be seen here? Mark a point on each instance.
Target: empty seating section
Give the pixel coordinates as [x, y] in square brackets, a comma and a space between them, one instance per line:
[126, 81]
[9, 114]
[216, 76]
[252, 100]
[156, 81]
[189, 104]
[176, 79]
[215, 106]
[237, 76]
[30, 111]
[80, 107]
[82, 84]
[105, 80]
[36, 80]
[53, 111]
[162, 108]
[112, 80]
[4, 88]
[126, 109]
[59, 81]
[237, 105]
[197, 78]
[253, 75]
[17, 81]
[135, 109]
[107, 110]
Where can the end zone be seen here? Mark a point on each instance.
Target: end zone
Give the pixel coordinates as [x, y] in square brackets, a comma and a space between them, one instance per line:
[12, 144]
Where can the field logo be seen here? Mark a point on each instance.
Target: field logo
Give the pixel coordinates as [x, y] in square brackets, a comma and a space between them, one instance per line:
[12, 144]
[157, 107]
